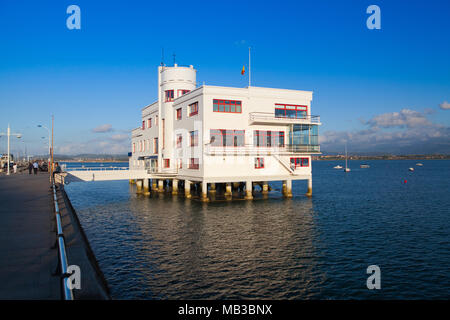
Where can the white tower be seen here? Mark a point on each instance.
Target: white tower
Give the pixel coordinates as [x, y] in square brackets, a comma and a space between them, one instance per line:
[173, 82]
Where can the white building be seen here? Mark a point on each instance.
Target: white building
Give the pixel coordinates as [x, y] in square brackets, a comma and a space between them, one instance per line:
[212, 134]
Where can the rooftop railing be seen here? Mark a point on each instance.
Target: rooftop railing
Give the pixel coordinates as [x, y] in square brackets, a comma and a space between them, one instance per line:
[270, 117]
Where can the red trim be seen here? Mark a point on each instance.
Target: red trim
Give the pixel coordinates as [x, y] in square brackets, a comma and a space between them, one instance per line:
[223, 104]
[169, 95]
[182, 91]
[179, 113]
[275, 137]
[193, 138]
[259, 163]
[143, 124]
[149, 122]
[297, 108]
[193, 164]
[193, 109]
[300, 162]
[166, 163]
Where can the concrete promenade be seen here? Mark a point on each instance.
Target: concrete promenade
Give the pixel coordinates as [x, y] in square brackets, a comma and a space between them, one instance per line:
[26, 237]
[28, 257]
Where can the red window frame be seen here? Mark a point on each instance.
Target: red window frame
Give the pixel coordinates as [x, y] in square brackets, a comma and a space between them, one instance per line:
[179, 140]
[181, 92]
[227, 106]
[155, 145]
[169, 95]
[166, 163]
[299, 162]
[149, 122]
[179, 113]
[143, 124]
[274, 136]
[298, 110]
[193, 109]
[259, 163]
[193, 164]
[193, 138]
[180, 163]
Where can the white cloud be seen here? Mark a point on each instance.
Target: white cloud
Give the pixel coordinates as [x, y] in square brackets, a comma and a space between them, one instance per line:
[120, 137]
[445, 105]
[406, 131]
[405, 118]
[103, 128]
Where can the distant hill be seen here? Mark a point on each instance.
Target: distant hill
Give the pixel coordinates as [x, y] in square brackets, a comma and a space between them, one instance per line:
[91, 157]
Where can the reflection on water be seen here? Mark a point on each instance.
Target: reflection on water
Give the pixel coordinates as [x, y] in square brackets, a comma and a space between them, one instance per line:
[164, 247]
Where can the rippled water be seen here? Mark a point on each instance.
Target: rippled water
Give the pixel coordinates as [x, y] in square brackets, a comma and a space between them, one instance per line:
[165, 247]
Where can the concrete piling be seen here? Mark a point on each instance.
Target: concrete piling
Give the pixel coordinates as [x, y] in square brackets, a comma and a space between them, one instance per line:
[205, 191]
[309, 192]
[174, 187]
[139, 186]
[288, 193]
[187, 189]
[248, 190]
[146, 189]
[160, 185]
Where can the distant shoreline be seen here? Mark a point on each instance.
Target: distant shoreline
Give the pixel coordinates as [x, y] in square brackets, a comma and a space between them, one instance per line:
[406, 157]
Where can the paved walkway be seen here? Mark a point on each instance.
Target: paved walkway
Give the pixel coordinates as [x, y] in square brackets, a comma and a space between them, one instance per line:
[26, 237]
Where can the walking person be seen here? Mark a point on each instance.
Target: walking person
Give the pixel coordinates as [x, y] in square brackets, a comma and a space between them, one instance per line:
[57, 170]
[30, 167]
[35, 167]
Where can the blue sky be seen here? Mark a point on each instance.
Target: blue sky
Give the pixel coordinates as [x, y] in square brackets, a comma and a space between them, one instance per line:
[380, 90]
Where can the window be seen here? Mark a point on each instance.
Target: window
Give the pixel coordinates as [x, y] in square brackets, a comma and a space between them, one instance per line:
[140, 146]
[179, 114]
[134, 147]
[155, 145]
[229, 106]
[180, 163]
[290, 111]
[169, 95]
[166, 163]
[194, 138]
[227, 138]
[193, 109]
[179, 140]
[182, 91]
[259, 163]
[268, 138]
[299, 162]
[143, 125]
[193, 163]
[149, 123]
[156, 120]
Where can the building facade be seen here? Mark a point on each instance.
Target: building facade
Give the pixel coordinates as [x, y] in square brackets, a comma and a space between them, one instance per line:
[212, 134]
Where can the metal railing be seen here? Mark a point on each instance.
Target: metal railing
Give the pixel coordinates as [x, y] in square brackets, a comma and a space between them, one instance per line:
[62, 255]
[253, 150]
[267, 116]
[96, 168]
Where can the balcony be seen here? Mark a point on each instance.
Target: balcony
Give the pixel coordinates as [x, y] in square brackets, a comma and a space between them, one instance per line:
[270, 118]
[251, 150]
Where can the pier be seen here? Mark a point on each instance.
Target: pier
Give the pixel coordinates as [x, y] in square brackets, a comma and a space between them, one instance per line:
[28, 242]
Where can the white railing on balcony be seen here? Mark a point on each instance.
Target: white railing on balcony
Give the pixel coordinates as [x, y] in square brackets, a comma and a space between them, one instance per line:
[253, 150]
[270, 117]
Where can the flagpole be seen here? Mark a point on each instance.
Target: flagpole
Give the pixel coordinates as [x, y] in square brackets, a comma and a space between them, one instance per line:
[249, 69]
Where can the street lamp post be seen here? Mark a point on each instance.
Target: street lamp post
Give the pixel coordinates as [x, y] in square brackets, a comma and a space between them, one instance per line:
[8, 134]
[49, 145]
